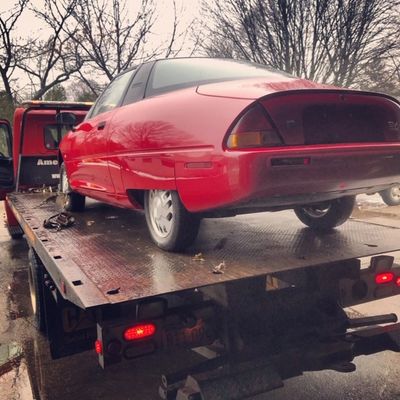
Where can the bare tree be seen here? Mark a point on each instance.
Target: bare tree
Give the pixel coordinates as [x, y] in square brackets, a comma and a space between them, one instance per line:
[113, 35]
[9, 47]
[107, 37]
[359, 32]
[79, 90]
[326, 40]
[52, 61]
[382, 74]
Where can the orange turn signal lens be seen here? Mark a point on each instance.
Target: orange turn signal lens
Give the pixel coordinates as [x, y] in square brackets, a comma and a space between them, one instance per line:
[253, 130]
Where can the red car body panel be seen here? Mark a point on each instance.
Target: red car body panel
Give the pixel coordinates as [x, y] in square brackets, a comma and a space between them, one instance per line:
[177, 141]
[144, 153]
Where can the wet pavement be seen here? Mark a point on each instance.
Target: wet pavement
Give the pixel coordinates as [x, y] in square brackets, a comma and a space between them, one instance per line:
[27, 371]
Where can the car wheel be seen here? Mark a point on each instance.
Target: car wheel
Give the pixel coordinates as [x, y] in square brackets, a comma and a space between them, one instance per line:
[391, 196]
[71, 201]
[326, 215]
[171, 226]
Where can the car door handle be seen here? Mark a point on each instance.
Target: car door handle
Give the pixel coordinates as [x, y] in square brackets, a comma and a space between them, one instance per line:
[101, 125]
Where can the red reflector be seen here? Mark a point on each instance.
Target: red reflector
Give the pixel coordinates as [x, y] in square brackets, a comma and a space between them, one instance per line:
[398, 281]
[384, 277]
[139, 332]
[199, 164]
[98, 346]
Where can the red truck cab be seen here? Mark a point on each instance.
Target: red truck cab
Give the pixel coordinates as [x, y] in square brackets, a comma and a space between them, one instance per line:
[28, 153]
[6, 166]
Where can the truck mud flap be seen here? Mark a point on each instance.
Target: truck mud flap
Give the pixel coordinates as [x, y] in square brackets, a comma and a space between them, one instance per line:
[71, 330]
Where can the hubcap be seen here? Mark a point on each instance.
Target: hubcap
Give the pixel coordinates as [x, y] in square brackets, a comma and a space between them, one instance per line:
[64, 182]
[64, 189]
[161, 211]
[395, 192]
[317, 211]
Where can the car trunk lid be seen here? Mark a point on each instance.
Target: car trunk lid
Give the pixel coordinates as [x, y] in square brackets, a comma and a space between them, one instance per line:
[255, 88]
[322, 117]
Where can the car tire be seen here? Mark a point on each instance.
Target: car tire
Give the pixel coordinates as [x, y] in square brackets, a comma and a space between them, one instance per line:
[326, 215]
[36, 279]
[391, 196]
[71, 201]
[171, 226]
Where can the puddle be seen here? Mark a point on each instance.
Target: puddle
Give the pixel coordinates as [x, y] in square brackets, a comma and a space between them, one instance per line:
[10, 357]
[14, 378]
[18, 295]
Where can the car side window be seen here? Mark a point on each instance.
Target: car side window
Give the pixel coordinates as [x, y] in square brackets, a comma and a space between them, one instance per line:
[5, 145]
[112, 95]
[137, 87]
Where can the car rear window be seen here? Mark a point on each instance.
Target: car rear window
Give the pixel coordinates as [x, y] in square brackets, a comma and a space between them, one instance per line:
[53, 135]
[168, 75]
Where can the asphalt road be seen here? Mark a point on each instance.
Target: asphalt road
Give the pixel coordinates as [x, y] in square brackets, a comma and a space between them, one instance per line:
[27, 370]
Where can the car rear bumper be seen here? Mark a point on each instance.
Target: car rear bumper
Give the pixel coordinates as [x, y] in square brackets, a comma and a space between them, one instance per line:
[285, 177]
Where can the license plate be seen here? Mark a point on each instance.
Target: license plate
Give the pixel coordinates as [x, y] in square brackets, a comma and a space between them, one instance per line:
[199, 335]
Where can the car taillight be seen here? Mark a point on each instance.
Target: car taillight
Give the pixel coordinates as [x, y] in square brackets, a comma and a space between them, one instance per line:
[139, 332]
[253, 130]
[384, 277]
[398, 281]
[98, 346]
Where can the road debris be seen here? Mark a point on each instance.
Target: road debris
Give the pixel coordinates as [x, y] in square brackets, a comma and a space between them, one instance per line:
[220, 268]
[198, 257]
[50, 199]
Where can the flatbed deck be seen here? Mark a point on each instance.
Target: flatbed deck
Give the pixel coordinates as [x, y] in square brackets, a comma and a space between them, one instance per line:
[107, 256]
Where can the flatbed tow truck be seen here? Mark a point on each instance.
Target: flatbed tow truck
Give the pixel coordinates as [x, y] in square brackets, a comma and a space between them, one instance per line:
[260, 298]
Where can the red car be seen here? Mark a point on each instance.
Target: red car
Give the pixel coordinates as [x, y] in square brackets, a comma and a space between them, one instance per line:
[198, 137]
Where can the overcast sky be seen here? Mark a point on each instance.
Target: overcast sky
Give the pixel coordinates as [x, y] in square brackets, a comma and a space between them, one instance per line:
[29, 26]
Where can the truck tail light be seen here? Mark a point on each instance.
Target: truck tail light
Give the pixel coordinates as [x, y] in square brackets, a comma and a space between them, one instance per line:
[98, 346]
[398, 281]
[139, 332]
[384, 277]
[253, 129]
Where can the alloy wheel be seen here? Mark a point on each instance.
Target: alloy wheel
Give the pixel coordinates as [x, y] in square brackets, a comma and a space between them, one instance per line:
[161, 211]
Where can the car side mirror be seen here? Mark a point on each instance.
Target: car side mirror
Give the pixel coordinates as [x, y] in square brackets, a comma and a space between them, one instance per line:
[85, 127]
[66, 118]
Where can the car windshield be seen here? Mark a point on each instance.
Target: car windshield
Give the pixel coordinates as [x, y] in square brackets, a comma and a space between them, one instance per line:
[175, 74]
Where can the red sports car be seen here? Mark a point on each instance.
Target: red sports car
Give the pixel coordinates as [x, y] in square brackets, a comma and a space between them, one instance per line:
[198, 137]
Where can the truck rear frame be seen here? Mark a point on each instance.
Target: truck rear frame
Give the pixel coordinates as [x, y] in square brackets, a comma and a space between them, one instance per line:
[246, 318]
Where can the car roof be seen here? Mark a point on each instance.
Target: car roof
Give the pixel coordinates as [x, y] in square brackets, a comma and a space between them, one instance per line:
[178, 58]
